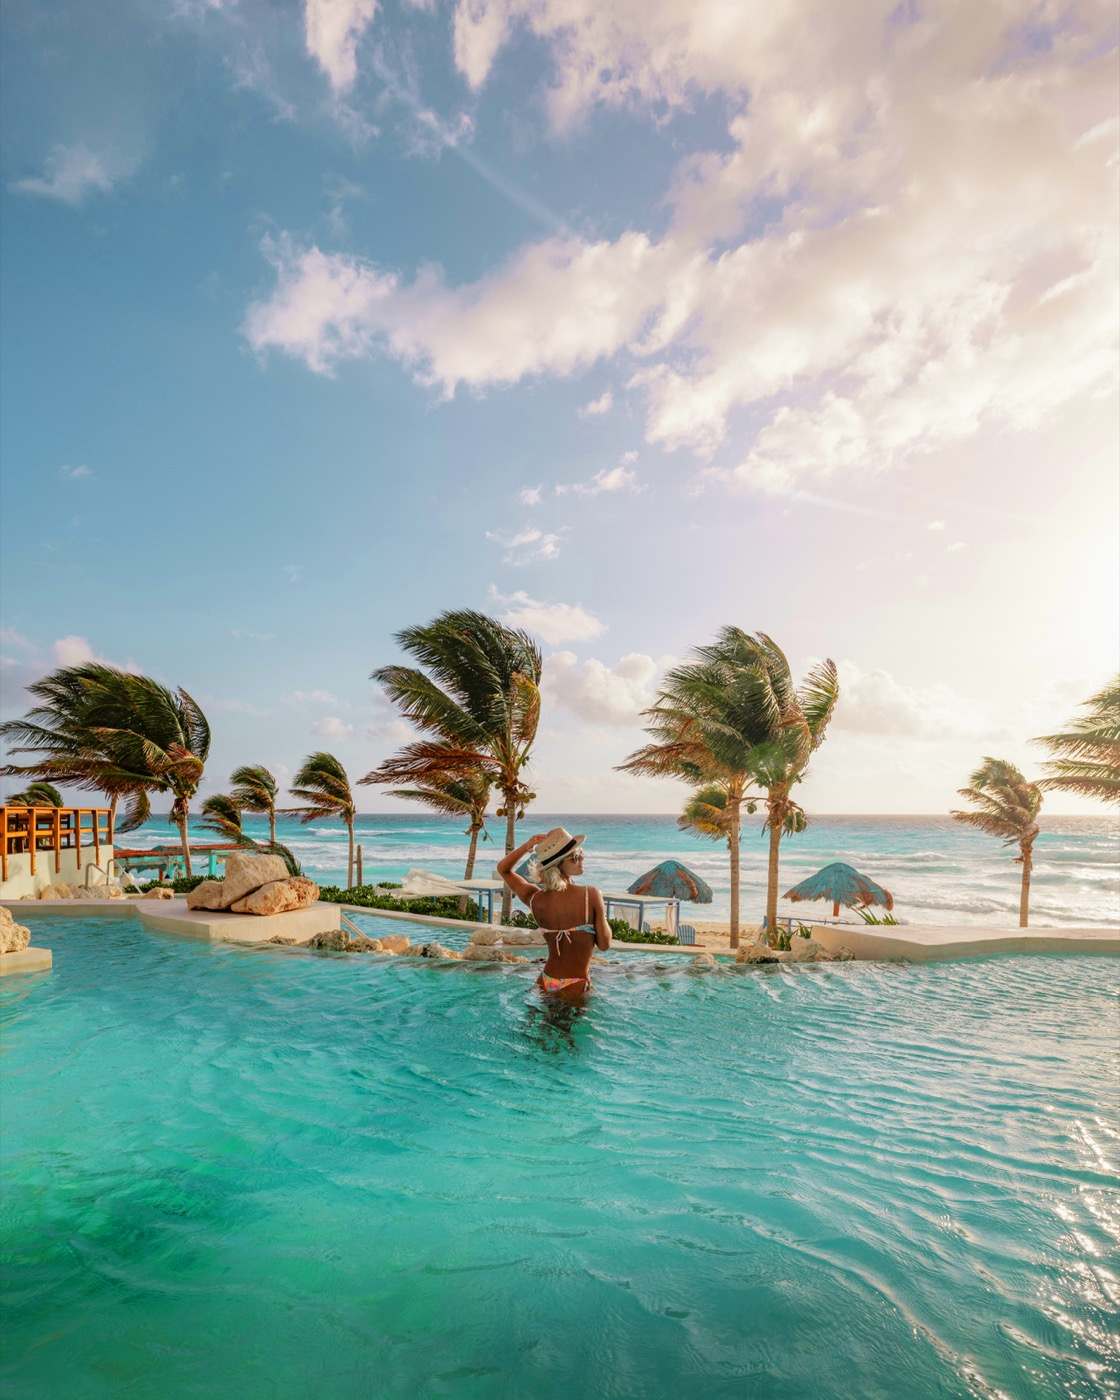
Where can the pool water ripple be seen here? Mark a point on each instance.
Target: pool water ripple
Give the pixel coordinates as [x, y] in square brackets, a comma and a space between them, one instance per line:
[276, 1174]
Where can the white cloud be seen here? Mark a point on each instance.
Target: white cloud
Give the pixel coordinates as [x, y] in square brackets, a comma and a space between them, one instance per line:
[526, 546]
[292, 572]
[9, 637]
[610, 479]
[875, 702]
[244, 634]
[603, 694]
[529, 495]
[597, 407]
[913, 284]
[332, 29]
[311, 697]
[936, 525]
[70, 174]
[72, 651]
[332, 727]
[75, 473]
[556, 623]
[955, 547]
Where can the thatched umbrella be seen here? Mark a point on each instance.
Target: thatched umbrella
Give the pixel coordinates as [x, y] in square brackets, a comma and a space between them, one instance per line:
[672, 880]
[843, 884]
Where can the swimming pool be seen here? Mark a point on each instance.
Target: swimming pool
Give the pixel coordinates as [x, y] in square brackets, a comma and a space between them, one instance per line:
[260, 1173]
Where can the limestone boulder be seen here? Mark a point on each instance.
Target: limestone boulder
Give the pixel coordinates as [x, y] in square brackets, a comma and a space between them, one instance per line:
[208, 895]
[436, 950]
[13, 937]
[394, 943]
[487, 937]
[59, 891]
[520, 938]
[278, 897]
[843, 954]
[703, 962]
[337, 940]
[757, 953]
[246, 873]
[164, 892]
[807, 950]
[479, 952]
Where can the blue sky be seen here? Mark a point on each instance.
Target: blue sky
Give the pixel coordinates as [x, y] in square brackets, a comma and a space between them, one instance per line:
[620, 321]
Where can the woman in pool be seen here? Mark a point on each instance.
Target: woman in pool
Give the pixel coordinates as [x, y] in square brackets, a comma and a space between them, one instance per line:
[571, 916]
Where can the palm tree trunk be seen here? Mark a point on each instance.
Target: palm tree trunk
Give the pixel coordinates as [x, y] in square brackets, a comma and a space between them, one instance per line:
[184, 818]
[113, 817]
[511, 829]
[350, 853]
[471, 852]
[772, 880]
[734, 853]
[272, 826]
[1025, 888]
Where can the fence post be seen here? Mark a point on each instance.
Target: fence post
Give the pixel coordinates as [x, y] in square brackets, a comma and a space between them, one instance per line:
[359, 854]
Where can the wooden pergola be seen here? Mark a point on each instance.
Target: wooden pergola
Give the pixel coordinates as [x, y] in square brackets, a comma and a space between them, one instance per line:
[43, 831]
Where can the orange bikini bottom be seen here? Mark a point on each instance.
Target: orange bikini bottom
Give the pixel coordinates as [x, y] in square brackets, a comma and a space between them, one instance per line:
[561, 984]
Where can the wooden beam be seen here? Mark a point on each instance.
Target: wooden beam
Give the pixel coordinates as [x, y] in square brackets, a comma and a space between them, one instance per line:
[3, 843]
[57, 833]
[96, 835]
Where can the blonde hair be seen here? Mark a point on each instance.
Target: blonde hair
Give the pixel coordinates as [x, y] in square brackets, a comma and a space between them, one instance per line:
[551, 879]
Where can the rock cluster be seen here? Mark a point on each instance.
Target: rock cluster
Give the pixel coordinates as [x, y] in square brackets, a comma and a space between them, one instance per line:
[801, 950]
[486, 952]
[13, 937]
[254, 884]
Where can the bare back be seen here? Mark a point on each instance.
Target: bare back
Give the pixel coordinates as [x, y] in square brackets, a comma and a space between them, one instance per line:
[571, 920]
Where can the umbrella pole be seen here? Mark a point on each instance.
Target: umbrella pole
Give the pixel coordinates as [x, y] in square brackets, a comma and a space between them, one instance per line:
[836, 909]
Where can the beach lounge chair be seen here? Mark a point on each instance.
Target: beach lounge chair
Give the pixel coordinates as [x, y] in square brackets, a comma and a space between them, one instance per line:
[686, 934]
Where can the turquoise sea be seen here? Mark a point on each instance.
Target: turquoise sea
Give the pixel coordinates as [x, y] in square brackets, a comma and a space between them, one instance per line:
[938, 871]
[273, 1175]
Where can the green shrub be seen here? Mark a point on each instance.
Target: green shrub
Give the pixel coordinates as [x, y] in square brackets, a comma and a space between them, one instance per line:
[374, 897]
[522, 920]
[869, 916]
[623, 933]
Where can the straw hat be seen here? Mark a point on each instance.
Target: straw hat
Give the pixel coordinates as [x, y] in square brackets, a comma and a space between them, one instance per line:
[556, 846]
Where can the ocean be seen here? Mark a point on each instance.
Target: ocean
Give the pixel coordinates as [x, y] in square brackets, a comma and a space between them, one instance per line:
[938, 871]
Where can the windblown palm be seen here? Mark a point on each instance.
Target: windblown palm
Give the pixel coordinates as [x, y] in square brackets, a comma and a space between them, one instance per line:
[36, 795]
[67, 749]
[124, 734]
[255, 790]
[222, 815]
[477, 699]
[467, 796]
[705, 727]
[323, 786]
[1004, 804]
[1087, 756]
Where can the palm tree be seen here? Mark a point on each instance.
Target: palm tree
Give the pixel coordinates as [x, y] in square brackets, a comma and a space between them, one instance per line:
[122, 733]
[477, 699]
[467, 796]
[1005, 805]
[255, 790]
[222, 815]
[323, 785]
[36, 795]
[705, 726]
[68, 750]
[1087, 756]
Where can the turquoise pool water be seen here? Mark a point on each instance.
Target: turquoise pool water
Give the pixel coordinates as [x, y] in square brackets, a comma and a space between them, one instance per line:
[278, 1175]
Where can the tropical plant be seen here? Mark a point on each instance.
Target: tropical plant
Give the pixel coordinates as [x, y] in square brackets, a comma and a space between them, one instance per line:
[475, 696]
[127, 735]
[222, 815]
[36, 795]
[255, 790]
[323, 785]
[67, 748]
[1087, 755]
[1005, 804]
[377, 897]
[467, 796]
[622, 931]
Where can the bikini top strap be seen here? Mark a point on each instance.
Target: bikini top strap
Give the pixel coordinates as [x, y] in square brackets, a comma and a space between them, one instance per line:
[586, 904]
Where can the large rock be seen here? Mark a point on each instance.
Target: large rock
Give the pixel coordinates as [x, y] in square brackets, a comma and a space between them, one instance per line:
[394, 943]
[480, 952]
[164, 892]
[337, 940]
[246, 873]
[59, 890]
[435, 950]
[807, 950]
[278, 897]
[519, 938]
[208, 895]
[757, 953]
[13, 937]
[487, 937]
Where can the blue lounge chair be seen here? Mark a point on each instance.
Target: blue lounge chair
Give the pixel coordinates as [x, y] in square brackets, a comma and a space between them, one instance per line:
[686, 934]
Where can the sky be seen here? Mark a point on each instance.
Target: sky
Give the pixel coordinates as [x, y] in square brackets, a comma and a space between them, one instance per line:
[621, 321]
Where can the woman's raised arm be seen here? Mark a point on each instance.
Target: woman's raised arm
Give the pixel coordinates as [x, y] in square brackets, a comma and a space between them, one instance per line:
[523, 889]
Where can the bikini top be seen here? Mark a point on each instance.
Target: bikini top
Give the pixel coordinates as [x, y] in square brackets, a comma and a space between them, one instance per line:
[586, 927]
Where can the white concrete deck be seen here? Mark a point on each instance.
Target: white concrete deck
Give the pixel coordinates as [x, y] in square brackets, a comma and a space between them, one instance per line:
[173, 916]
[26, 960]
[923, 943]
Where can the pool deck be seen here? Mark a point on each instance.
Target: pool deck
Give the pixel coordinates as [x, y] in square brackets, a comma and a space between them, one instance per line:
[906, 942]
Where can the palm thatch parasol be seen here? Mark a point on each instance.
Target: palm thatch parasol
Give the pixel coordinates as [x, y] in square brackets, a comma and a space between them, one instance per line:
[843, 884]
[672, 880]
